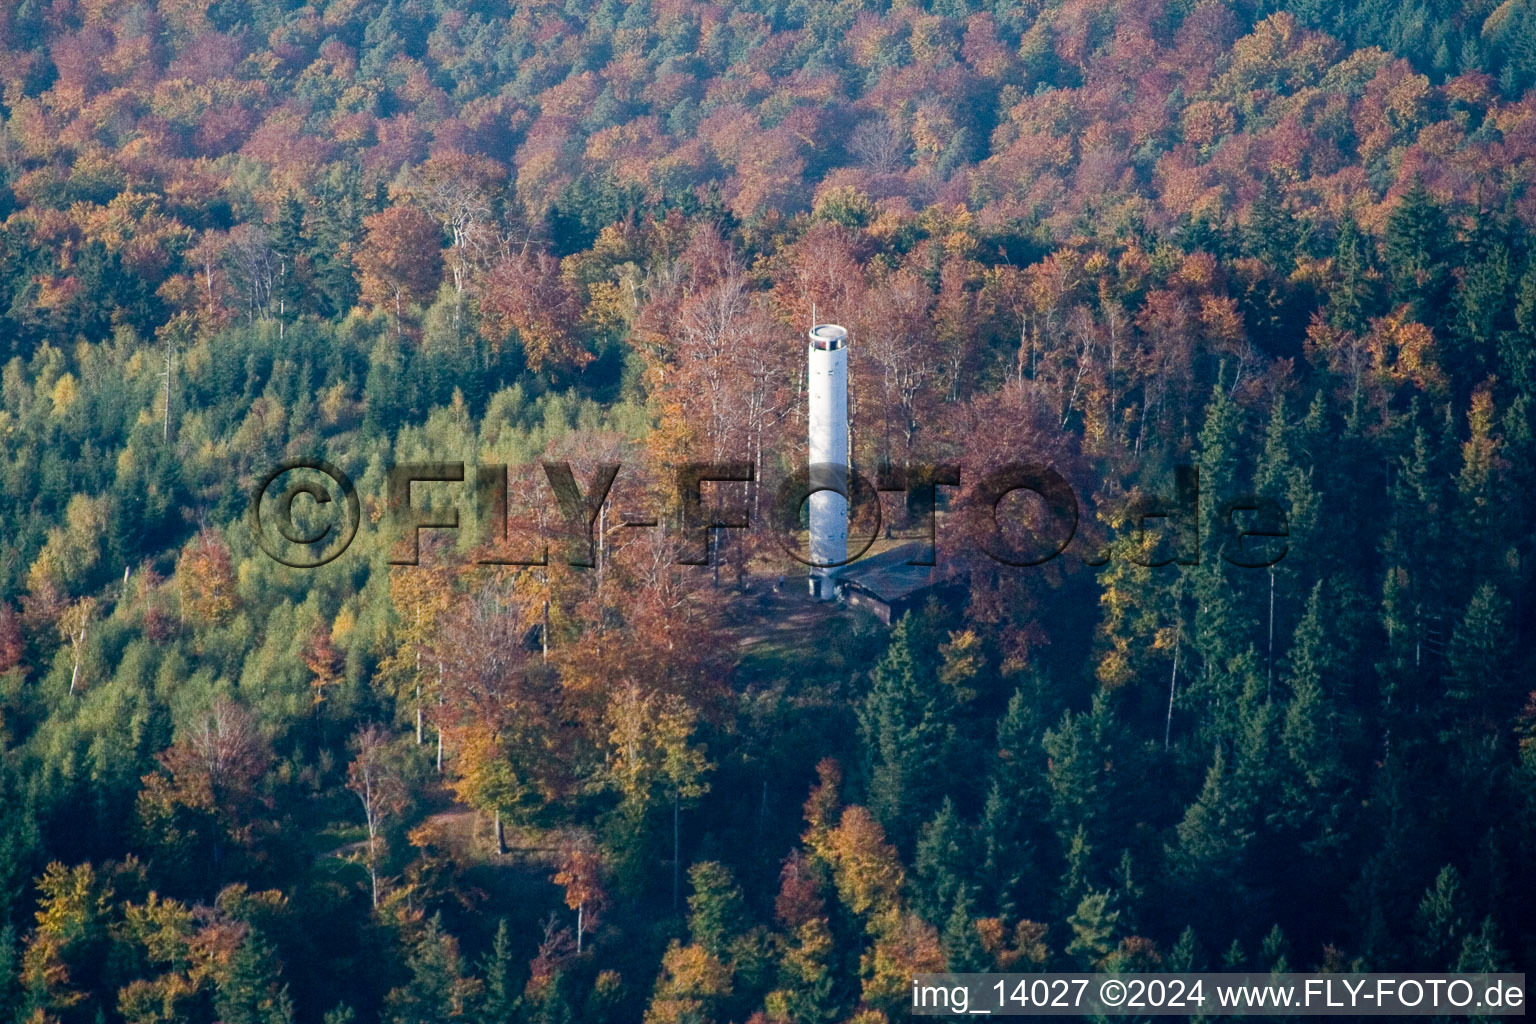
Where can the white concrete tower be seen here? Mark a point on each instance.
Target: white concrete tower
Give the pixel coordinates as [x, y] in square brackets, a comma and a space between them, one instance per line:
[827, 379]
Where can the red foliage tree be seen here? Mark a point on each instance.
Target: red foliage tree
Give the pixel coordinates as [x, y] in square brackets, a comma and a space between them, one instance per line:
[401, 258]
[524, 292]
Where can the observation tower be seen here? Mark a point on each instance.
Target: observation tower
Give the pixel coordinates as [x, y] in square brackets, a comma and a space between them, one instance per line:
[827, 397]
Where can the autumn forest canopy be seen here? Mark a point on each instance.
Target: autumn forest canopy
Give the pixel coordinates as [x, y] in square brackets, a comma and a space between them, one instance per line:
[1286, 242]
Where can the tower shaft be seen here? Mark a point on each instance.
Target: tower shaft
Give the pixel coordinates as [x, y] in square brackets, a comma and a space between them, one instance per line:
[827, 392]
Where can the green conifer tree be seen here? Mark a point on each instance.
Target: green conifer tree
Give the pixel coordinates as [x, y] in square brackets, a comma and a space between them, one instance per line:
[1271, 233]
[1254, 758]
[1483, 310]
[1478, 656]
[960, 941]
[1008, 856]
[1517, 346]
[1215, 633]
[717, 910]
[1308, 734]
[1073, 775]
[439, 991]
[1076, 879]
[1351, 300]
[1274, 951]
[500, 1001]
[1019, 764]
[289, 245]
[943, 851]
[1212, 840]
[336, 233]
[1235, 959]
[1481, 952]
[1440, 924]
[908, 731]
[10, 991]
[1186, 954]
[1129, 892]
[1419, 256]
[1094, 927]
[249, 992]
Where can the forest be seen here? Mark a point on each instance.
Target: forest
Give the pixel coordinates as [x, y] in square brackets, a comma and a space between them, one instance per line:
[1284, 242]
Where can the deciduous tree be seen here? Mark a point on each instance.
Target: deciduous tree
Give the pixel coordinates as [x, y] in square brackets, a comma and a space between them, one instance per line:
[400, 258]
[524, 292]
[376, 778]
[581, 875]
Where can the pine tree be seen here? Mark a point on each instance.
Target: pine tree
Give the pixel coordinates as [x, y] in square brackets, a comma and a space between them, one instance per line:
[1020, 761]
[1008, 857]
[1213, 839]
[1418, 254]
[1128, 893]
[1186, 954]
[1215, 628]
[1275, 464]
[1416, 539]
[1351, 299]
[1073, 775]
[249, 992]
[1440, 924]
[1220, 442]
[1396, 671]
[1308, 734]
[1480, 951]
[960, 941]
[907, 730]
[1283, 475]
[1525, 301]
[1075, 880]
[1470, 58]
[1478, 657]
[717, 910]
[439, 992]
[1274, 951]
[1094, 930]
[10, 991]
[499, 1004]
[1254, 756]
[1313, 433]
[337, 231]
[1442, 57]
[1270, 233]
[1517, 346]
[943, 848]
[1303, 527]
[1482, 312]
[1519, 448]
[289, 245]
